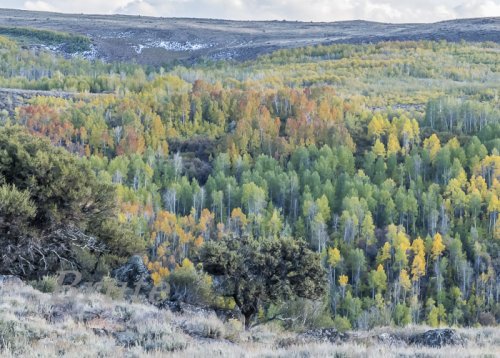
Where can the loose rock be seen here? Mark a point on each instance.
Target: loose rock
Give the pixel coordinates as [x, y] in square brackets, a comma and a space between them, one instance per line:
[325, 335]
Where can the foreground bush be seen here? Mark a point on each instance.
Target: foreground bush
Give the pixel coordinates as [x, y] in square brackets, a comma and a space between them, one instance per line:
[255, 272]
[54, 212]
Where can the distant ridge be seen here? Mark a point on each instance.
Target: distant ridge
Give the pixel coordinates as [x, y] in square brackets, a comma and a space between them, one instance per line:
[155, 41]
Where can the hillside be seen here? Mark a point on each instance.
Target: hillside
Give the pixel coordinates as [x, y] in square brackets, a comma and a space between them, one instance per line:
[157, 41]
[301, 201]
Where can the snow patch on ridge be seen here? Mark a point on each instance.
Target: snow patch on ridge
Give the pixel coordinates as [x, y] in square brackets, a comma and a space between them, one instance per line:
[171, 46]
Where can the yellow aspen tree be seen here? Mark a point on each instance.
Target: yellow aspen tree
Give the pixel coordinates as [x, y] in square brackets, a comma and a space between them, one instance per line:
[432, 145]
[401, 246]
[385, 253]
[436, 252]
[274, 223]
[379, 148]
[155, 276]
[393, 146]
[334, 260]
[186, 263]
[418, 265]
[404, 279]
[407, 134]
[493, 209]
[478, 183]
[343, 280]
[377, 126]
[334, 257]
[418, 247]
[437, 247]
[157, 132]
[378, 280]
[416, 130]
[404, 282]
[238, 221]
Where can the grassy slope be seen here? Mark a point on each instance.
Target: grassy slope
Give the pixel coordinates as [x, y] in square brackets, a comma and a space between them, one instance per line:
[88, 324]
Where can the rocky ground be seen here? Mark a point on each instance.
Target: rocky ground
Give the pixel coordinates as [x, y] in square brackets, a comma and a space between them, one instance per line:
[85, 323]
[156, 41]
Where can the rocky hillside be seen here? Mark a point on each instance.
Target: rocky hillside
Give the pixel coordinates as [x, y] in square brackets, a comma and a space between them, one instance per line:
[156, 41]
[73, 322]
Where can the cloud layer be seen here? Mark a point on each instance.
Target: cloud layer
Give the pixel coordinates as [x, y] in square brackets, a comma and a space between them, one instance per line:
[305, 10]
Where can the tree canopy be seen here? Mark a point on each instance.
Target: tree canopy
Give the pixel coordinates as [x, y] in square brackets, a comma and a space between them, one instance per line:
[382, 159]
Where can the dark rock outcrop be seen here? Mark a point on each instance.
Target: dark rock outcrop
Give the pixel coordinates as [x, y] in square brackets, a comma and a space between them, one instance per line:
[172, 306]
[134, 273]
[437, 338]
[185, 308]
[189, 309]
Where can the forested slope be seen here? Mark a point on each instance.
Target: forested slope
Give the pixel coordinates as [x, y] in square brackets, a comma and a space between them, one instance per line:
[384, 159]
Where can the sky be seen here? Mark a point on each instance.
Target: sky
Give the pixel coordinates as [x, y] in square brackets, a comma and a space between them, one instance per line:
[304, 10]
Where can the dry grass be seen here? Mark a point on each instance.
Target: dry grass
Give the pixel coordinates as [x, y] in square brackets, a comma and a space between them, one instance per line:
[77, 324]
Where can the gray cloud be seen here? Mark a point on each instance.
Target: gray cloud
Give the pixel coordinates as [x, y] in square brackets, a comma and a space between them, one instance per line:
[306, 10]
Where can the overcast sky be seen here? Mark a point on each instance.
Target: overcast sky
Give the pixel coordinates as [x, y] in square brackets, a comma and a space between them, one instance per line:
[306, 10]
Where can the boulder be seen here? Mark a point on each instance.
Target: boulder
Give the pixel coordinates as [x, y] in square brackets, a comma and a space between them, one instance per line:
[437, 338]
[126, 338]
[9, 280]
[172, 306]
[134, 273]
